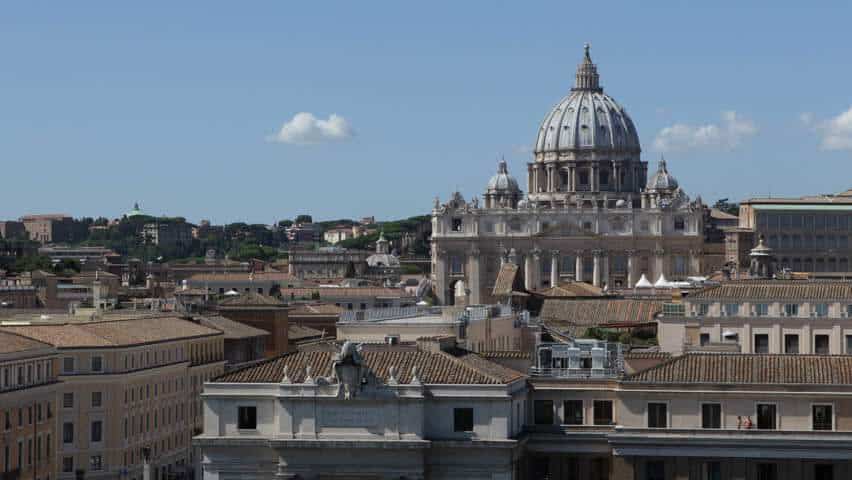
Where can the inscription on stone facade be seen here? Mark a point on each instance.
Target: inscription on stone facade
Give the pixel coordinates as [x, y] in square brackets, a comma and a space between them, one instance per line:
[350, 417]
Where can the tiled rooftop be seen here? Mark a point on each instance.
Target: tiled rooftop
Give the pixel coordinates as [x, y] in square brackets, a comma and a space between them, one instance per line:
[12, 343]
[232, 329]
[251, 299]
[112, 333]
[434, 367]
[343, 292]
[750, 369]
[505, 282]
[776, 290]
[558, 312]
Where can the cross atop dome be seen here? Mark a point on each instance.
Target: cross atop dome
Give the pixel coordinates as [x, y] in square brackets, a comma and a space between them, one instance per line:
[587, 73]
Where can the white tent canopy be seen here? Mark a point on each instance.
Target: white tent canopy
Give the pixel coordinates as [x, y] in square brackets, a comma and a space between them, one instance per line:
[643, 282]
[662, 282]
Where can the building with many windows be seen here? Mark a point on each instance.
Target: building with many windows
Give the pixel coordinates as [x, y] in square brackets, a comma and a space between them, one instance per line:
[28, 388]
[761, 316]
[424, 410]
[127, 385]
[808, 234]
[591, 212]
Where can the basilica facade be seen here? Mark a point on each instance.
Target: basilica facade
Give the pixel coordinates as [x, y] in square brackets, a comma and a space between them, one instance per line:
[591, 213]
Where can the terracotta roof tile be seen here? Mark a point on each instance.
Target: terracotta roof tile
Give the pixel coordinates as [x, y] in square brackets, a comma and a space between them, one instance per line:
[232, 329]
[776, 290]
[557, 312]
[112, 333]
[343, 292]
[454, 367]
[14, 343]
[753, 369]
[573, 289]
[250, 299]
[506, 279]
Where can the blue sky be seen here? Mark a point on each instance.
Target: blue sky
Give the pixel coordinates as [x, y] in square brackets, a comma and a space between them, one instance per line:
[180, 105]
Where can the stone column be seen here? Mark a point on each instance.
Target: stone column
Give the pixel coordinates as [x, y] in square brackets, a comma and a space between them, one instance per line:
[605, 269]
[596, 268]
[473, 279]
[578, 266]
[572, 178]
[554, 268]
[528, 272]
[695, 262]
[631, 266]
[551, 178]
[439, 256]
[593, 181]
[536, 279]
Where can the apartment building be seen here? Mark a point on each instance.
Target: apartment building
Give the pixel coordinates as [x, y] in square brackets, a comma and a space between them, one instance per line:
[761, 316]
[127, 385]
[28, 385]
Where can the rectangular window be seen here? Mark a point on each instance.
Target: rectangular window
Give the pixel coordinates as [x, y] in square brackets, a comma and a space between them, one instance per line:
[823, 471]
[791, 310]
[704, 339]
[97, 431]
[247, 418]
[791, 343]
[761, 343]
[573, 412]
[766, 416]
[849, 344]
[711, 415]
[821, 344]
[657, 415]
[67, 464]
[96, 463]
[67, 432]
[732, 309]
[68, 365]
[97, 399]
[67, 400]
[820, 309]
[703, 309]
[655, 470]
[767, 471]
[543, 412]
[761, 309]
[462, 420]
[97, 364]
[603, 412]
[822, 417]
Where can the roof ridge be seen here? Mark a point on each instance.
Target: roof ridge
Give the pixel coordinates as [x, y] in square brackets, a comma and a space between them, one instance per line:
[4, 330]
[660, 365]
[256, 364]
[469, 366]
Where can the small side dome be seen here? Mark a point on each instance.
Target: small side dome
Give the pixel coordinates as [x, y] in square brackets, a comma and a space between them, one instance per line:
[662, 179]
[502, 182]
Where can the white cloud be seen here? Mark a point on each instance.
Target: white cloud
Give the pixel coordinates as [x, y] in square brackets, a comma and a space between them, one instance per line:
[305, 129]
[728, 134]
[835, 133]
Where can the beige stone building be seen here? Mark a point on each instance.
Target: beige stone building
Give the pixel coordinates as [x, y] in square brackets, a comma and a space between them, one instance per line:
[761, 316]
[808, 234]
[126, 385]
[28, 386]
[591, 213]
